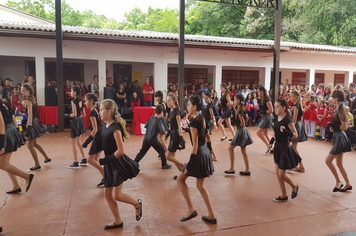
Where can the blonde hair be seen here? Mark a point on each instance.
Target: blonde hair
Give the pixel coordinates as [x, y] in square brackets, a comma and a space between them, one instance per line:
[296, 93]
[30, 98]
[110, 105]
[174, 98]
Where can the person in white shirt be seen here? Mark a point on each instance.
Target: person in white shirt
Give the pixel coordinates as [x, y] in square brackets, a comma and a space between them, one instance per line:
[245, 90]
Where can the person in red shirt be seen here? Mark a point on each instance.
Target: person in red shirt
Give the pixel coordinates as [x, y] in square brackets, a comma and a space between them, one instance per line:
[147, 90]
[67, 92]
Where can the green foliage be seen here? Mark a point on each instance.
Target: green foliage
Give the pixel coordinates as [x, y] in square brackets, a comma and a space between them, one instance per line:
[331, 22]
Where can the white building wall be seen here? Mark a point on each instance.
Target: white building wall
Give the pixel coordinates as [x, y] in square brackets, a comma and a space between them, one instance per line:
[149, 55]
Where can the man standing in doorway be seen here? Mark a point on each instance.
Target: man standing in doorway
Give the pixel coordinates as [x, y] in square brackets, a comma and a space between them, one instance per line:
[147, 90]
[67, 92]
[6, 93]
[32, 82]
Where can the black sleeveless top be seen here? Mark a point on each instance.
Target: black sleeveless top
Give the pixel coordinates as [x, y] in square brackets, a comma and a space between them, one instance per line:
[336, 122]
[281, 137]
[173, 119]
[264, 106]
[223, 101]
[201, 136]
[6, 114]
[207, 115]
[79, 109]
[34, 112]
[96, 115]
[108, 140]
[237, 121]
[300, 111]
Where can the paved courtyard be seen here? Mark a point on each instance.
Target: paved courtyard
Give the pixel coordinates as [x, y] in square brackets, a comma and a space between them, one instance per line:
[66, 202]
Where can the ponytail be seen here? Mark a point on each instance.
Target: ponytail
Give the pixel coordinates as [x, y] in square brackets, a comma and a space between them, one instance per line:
[122, 123]
[196, 101]
[341, 111]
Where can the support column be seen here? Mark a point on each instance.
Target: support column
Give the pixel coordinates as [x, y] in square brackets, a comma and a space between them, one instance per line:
[217, 79]
[266, 78]
[310, 77]
[40, 80]
[160, 77]
[349, 78]
[102, 77]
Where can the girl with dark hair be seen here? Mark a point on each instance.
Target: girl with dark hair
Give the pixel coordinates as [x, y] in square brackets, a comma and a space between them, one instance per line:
[297, 113]
[200, 164]
[176, 141]
[250, 108]
[209, 120]
[117, 166]
[83, 89]
[77, 127]
[266, 113]
[341, 143]
[225, 103]
[10, 140]
[94, 138]
[34, 126]
[285, 158]
[242, 137]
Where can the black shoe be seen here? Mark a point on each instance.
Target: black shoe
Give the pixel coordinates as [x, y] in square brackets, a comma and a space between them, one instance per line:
[75, 165]
[14, 191]
[271, 151]
[0, 229]
[223, 139]
[83, 162]
[245, 173]
[49, 160]
[138, 217]
[114, 226]
[29, 182]
[230, 139]
[194, 214]
[175, 177]
[229, 172]
[101, 184]
[295, 194]
[338, 189]
[214, 221]
[159, 156]
[346, 189]
[279, 199]
[34, 168]
[165, 167]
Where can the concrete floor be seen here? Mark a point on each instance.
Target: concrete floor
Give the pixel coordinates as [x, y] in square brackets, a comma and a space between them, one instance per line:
[66, 202]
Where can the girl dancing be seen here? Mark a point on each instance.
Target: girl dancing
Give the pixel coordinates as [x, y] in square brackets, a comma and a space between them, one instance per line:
[297, 113]
[10, 140]
[200, 164]
[117, 166]
[77, 127]
[341, 143]
[176, 142]
[285, 158]
[95, 135]
[242, 137]
[225, 103]
[34, 126]
[209, 120]
[265, 111]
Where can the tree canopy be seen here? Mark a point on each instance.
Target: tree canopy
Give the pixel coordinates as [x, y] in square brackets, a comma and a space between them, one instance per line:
[307, 21]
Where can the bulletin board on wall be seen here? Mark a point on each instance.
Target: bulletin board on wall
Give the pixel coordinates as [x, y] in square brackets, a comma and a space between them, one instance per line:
[137, 75]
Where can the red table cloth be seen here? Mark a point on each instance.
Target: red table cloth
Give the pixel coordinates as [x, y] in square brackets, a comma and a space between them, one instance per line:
[141, 116]
[48, 115]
